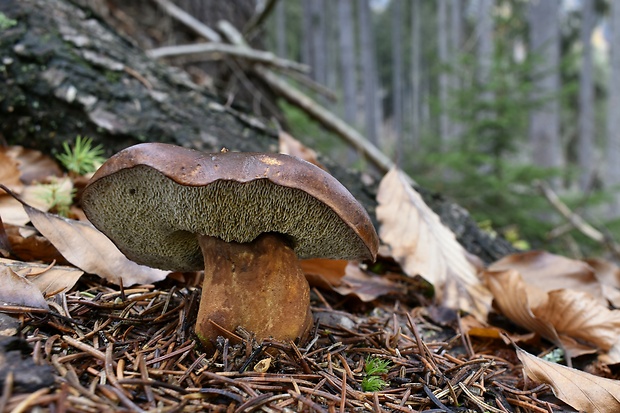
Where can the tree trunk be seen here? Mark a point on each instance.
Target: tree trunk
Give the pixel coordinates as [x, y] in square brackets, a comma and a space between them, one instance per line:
[444, 76]
[585, 147]
[416, 72]
[306, 37]
[369, 71]
[347, 59]
[543, 18]
[612, 175]
[66, 74]
[397, 74]
[281, 30]
[485, 48]
[319, 49]
[456, 41]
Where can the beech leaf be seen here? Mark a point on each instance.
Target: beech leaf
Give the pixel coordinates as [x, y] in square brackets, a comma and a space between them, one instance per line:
[573, 320]
[49, 279]
[608, 274]
[291, 146]
[365, 286]
[582, 391]
[423, 246]
[324, 273]
[18, 290]
[517, 304]
[9, 172]
[87, 248]
[34, 165]
[551, 272]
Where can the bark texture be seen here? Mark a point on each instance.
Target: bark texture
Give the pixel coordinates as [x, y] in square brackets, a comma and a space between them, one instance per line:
[64, 72]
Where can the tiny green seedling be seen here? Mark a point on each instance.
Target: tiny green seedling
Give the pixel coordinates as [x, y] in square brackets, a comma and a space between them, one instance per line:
[57, 196]
[374, 368]
[82, 158]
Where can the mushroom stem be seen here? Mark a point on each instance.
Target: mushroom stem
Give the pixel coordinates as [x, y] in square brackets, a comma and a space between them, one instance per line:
[257, 285]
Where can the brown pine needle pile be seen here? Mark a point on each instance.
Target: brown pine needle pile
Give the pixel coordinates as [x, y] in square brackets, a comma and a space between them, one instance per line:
[133, 350]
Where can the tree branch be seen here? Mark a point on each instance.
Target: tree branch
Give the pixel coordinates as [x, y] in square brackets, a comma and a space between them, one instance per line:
[211, 48]
[188, 20]
[575, 220]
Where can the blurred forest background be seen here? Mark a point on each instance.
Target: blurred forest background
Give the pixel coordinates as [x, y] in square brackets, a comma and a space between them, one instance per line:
[477, 99]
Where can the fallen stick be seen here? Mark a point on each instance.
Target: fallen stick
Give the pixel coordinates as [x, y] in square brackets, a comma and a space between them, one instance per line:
[211, 48]
[179, 14]
[575, 220]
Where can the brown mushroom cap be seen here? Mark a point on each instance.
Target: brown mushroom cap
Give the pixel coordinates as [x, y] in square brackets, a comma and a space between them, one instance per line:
[152, 199]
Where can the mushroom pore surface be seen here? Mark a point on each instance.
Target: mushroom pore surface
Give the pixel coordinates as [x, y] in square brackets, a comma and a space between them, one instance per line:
[154, 220]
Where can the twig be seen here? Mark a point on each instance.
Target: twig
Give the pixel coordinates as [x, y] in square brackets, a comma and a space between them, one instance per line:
[576, 220]
[259, 17]
[258, 56]
[23, 406]
[188, 20]
[85, 348]
[313, 85]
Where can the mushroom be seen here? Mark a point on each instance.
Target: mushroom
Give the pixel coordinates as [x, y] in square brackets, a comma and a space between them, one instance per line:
[245, 218]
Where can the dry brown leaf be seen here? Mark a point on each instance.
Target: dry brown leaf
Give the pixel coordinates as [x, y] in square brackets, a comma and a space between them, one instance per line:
[322, 272]
[471, 326]
[31, 246]
[551, 272]
[365, 286]
[515, 300]
[87, 248]
[577, 315]
[12, 211]
[18, 290]
[50, 280]
[608, 274]
[582, 391]
[9, 172]
[34, 166]
[291, 146]
[423, 246]
[571, 319]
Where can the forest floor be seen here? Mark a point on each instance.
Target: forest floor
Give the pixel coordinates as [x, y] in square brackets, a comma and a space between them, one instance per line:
[104, 349]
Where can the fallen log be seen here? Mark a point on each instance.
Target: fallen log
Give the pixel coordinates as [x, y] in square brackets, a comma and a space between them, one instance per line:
[64, 72]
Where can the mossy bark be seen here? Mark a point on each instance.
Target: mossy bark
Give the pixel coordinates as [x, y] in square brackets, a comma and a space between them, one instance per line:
[64, 73]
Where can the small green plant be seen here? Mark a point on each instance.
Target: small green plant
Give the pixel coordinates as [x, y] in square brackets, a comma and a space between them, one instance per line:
[82, 157]
[374, 368]
[57, 195]
[6, 22]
